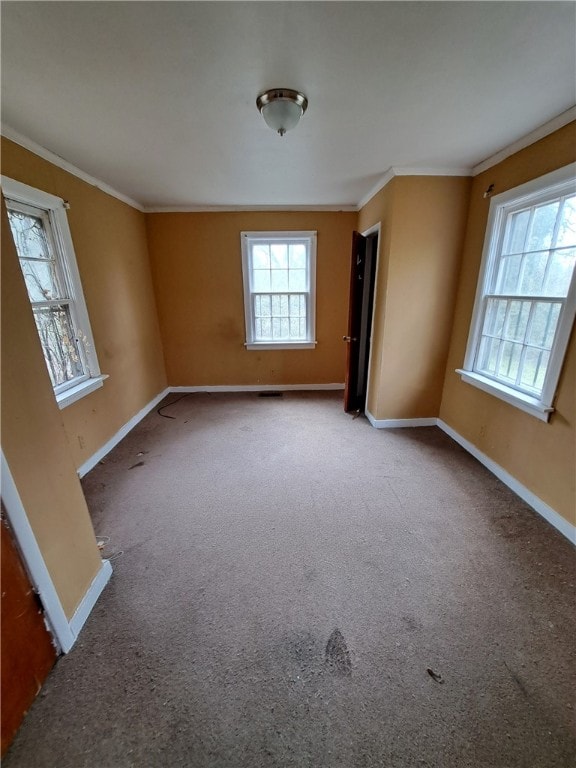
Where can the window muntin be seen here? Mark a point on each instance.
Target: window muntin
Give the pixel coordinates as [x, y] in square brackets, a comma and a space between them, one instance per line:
[44, 247]
[279, 282]
[525, 303]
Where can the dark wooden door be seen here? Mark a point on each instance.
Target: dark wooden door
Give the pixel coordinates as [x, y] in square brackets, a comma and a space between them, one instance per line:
[354, 314]
[28, 653]
[362, 279]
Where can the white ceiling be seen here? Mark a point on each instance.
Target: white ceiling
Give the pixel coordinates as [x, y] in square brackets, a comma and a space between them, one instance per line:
[157, 99]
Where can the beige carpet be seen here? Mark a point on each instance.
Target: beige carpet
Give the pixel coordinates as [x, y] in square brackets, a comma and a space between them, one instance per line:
[298, 589]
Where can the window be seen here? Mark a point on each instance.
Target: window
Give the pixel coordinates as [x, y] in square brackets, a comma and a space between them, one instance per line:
[526, 298]
[279, 271]
[44, 246]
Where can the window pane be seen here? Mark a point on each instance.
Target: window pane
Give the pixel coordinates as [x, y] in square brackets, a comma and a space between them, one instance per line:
[543, 326]
[515, 350]
[29, 235]
[266, 328]
[261, 280]
[495, 314]
[516, 234]
[297, 279]
[542, 229]
[279, 279]
[567, 228]
[560, 272]
[261, 256]
[533, 273]
[509, 274]
[279, 252]
[509, 361]
[41, 280]
[58, 344]
[517, 320]
[541, 369]
[262, 306]
[488, 354]
[296, 301]
[280, 317]
[534, 369]
[297, 256]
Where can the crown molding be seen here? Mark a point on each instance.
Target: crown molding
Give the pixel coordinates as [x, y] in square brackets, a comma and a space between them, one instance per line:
[380, 184]
[255, 208]
[539, 133]
[530, 138]
[51, 157]
[408, 171]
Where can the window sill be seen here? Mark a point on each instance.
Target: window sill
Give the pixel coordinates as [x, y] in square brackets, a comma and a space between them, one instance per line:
[73, 394]
[252, 345]
[524, 402]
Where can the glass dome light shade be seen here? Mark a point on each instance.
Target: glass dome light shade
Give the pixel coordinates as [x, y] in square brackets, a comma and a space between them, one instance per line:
[282, 108]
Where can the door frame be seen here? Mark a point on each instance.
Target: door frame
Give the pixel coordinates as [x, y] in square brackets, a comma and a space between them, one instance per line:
[374, 229]
[55, 618]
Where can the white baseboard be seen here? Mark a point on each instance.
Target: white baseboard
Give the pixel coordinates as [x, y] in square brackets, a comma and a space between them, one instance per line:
[560, 523]
[259, 388]
[122, 432]
[399, 423]
[90, 597]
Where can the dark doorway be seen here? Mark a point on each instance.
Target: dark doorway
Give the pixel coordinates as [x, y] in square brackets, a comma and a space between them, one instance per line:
[361, 304]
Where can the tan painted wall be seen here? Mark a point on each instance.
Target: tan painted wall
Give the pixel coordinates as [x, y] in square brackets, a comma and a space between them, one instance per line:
[541, 456]
[423, 219]
[111, 249]
[197, 268]
[35, 445]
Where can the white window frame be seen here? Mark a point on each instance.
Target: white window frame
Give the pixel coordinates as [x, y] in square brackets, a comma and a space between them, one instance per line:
[556, 184]
[247, 239]
[18, 196]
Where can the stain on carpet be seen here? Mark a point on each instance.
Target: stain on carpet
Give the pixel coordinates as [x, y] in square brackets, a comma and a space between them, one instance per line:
[411, 623]
[518, 680]
[338, 655]
[139, 464]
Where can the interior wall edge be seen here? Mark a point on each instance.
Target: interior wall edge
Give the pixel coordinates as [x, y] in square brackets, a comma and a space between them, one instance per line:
[34, 562]
[555, 519]
[90, 463]
[90, 599]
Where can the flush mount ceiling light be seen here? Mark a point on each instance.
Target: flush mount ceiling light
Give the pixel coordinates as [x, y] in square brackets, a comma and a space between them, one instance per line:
[281, 108]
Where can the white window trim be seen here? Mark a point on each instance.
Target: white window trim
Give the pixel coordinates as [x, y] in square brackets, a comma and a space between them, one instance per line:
[70, 392]
[267, 236]
[563, 180]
